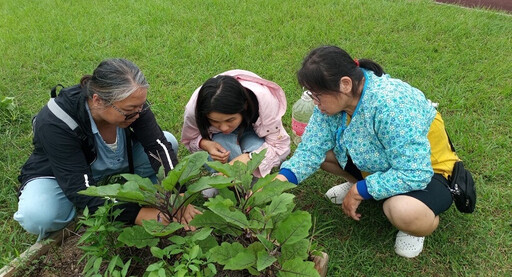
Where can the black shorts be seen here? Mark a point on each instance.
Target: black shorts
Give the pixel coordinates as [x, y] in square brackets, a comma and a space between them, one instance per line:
[436, 195]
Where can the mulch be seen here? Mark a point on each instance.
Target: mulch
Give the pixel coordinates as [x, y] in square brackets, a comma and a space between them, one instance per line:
[498, 5]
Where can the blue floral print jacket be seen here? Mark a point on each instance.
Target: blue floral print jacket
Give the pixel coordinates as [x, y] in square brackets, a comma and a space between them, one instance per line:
[386, 136]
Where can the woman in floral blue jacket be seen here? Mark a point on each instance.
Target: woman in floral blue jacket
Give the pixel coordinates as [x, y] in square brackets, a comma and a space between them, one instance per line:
[383, 136]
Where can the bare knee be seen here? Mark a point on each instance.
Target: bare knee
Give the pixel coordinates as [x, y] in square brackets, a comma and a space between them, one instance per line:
[410, 215]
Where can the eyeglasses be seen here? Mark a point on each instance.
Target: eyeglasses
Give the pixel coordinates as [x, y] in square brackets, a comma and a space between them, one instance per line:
[313, 96]
[129, 116]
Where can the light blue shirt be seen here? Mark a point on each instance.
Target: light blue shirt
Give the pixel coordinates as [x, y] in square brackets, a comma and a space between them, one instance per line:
[386, 137]
[108, 162]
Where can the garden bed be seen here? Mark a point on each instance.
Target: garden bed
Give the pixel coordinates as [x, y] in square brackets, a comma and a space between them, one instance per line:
[58, 256]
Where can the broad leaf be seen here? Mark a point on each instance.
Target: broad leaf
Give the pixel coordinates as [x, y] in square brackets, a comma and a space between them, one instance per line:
[193, 165]
[158, 252]
[294, 228]
[271, 191]
[201, 234]
[228, 194]
[158, 229]
[264, 260]
[179, 240]
[295, 250]
[279, 204]
[138, 237]
[242, 260]
[169, 182]
[145, 184]
[257, 219]
[263, 182]
[264, 241]
[208, 243]
[207, 182]
[210, 219]
[225, 169]
[298, 267]
[223, 253]
[102, 191]
[257, 158]
[225, 209]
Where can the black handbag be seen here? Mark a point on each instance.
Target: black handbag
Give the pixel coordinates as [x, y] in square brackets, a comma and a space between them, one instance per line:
[462, 187]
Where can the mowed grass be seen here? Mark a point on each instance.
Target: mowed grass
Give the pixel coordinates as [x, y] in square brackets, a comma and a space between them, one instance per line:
[458, 57]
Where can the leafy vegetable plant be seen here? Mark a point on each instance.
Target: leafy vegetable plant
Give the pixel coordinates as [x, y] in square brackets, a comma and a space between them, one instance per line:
[249, 226]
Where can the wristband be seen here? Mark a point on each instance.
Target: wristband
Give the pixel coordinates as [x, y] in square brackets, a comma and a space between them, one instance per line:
[250, 155]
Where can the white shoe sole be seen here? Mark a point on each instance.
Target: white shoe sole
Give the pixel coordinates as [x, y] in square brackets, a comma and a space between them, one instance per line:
[408, 246]
[337, 193]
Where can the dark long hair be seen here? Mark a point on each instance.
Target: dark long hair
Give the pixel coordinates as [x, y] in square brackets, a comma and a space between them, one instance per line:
[224, 94]
[324, 66]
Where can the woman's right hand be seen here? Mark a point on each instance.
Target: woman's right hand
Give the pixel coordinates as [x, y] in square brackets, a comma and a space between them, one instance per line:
[216, 151]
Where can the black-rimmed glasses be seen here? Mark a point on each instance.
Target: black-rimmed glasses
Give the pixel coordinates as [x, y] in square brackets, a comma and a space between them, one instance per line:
[313, 96]
[129, 116]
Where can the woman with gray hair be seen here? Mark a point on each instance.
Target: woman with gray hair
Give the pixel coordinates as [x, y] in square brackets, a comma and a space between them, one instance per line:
[93, 130]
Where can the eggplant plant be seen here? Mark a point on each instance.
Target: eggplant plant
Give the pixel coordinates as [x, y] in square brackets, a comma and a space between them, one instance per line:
[251, 225]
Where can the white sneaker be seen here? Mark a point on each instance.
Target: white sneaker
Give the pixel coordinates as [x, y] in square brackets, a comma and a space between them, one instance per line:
[209, 193]
[337, 193]
[408, 246]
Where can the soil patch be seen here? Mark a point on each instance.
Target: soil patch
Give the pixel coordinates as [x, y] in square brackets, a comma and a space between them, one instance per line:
[63, 261]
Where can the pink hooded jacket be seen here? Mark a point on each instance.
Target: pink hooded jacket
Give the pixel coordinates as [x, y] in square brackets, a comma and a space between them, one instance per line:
[272, 106]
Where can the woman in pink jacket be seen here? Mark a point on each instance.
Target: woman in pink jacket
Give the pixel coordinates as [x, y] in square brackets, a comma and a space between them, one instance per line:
[235, 114]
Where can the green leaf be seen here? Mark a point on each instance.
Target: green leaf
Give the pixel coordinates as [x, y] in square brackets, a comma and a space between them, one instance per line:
[144, 184]
[225, 252]
[102, 191]
[194, 163]
[194, 251]
[156, 266]
[210, 219]
[179, 240]
[279, 204]
[294, 228]
[208, 243]
[169, 182]
[138, 237]
[212, 268]
[225, 169]
[158, 252]
[97, 264]
[264, 260]
[264, 181]
[126, 266]
[298, 267]
[256, 160]
[193, 268]
[242, 260]
[257, 219]
[225, 209]
[207, 182]
[295, 250]
[228, 194]
[112, 264]
[161, 174]
[267, 243]
[270, 191]
[201, 234]
[159, 229]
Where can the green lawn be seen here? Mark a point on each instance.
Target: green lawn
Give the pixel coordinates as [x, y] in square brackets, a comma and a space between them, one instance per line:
[459, 57]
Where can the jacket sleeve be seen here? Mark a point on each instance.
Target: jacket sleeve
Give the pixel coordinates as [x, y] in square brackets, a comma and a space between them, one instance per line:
[150, 135]
[71, 170]
[403, 134]
[318, 138]
[277, 144]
